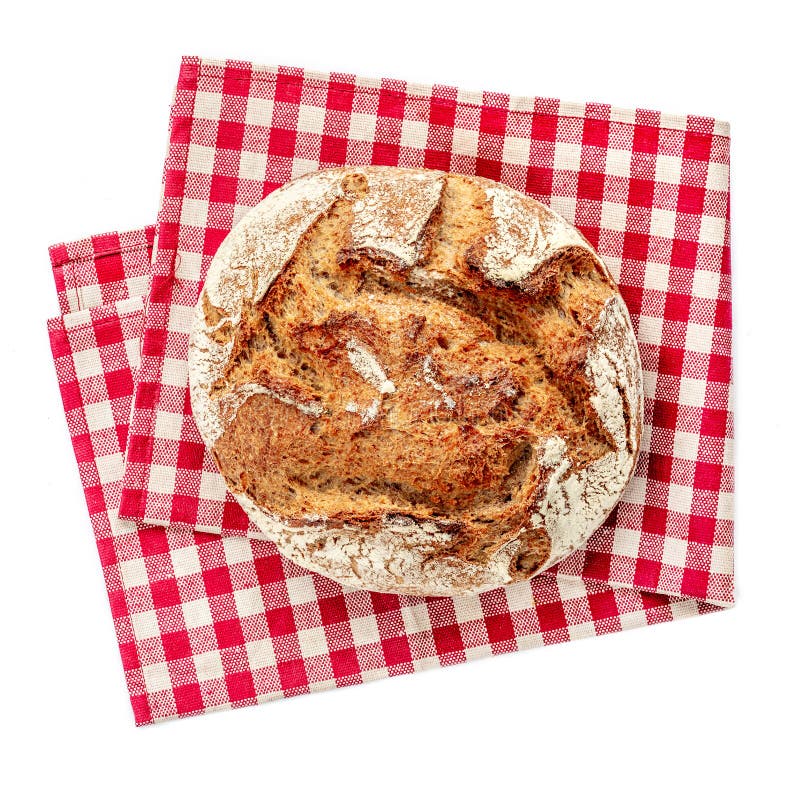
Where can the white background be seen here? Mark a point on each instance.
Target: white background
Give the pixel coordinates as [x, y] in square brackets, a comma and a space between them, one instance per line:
[705, 707]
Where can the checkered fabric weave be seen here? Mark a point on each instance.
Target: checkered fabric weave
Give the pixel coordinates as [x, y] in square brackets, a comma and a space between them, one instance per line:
[649, 191]
[207, 621]
[102, 269]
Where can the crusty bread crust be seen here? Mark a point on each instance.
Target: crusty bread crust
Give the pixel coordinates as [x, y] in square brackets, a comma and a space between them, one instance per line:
[415, 381]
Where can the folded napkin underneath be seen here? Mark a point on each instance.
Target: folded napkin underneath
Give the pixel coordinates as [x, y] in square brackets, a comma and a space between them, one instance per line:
[205, 622]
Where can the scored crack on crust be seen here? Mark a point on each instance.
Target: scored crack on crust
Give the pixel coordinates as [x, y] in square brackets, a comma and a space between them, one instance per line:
[449, 354]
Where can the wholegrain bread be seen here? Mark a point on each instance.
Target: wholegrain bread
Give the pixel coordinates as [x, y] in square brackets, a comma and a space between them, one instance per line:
[415, 381]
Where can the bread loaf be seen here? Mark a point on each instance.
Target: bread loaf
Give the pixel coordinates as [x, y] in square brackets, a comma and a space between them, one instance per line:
[414, 381]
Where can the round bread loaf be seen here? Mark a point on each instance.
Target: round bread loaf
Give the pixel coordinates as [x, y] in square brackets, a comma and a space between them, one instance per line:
[415, 381]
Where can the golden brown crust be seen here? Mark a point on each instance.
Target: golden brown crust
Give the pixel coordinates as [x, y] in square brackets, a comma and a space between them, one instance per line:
[369, 385]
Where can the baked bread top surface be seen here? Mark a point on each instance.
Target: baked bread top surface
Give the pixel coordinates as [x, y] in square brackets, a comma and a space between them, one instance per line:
[416, 381]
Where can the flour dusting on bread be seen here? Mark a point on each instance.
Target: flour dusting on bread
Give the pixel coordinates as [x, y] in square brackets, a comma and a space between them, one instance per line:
[576, 502]
[415, 382]
[382, 225]
[243, 269]
[367, 366]
[524, 237]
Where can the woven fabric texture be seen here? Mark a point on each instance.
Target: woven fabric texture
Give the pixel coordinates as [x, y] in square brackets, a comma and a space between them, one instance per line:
[206, 620]
[650, 192]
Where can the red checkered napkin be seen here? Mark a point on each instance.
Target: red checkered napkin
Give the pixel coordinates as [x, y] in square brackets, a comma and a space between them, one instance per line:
[207, 622]
[650, 191]
[102, 269]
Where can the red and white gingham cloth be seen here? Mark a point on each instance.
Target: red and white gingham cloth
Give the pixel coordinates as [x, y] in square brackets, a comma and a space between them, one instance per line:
[206, 621]
[102, 269]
